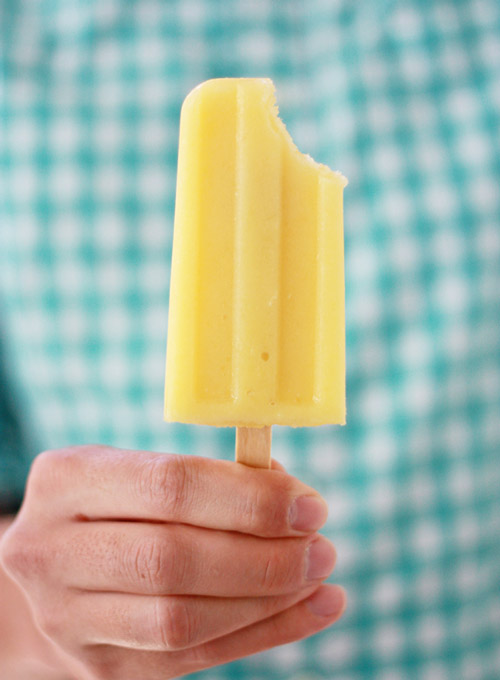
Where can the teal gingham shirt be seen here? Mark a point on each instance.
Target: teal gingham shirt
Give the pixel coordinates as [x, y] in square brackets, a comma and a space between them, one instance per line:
[404, 98]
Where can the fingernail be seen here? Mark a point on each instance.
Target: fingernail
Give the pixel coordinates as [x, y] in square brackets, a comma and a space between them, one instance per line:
[308, 513]
[321, 558]
[327, 601]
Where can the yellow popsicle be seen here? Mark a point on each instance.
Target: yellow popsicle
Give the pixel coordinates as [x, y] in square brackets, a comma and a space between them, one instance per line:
[256, 319]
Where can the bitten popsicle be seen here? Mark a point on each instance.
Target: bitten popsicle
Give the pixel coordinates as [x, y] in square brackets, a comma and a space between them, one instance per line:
[256, 319]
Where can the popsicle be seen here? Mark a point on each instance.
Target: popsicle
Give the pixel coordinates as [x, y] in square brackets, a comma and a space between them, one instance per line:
[256, 318]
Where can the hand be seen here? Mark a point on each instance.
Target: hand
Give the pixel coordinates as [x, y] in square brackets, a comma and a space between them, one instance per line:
[154, 566]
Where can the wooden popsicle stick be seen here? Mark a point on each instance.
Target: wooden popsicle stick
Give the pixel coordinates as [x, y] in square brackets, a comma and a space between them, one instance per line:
[253, 446]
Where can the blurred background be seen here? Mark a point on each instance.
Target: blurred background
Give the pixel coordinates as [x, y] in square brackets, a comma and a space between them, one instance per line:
[401, 97]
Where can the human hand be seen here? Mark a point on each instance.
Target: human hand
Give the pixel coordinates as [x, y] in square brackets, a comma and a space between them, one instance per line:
[154, 566]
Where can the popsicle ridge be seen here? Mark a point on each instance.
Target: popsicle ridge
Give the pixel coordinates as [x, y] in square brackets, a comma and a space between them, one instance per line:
[256, 330]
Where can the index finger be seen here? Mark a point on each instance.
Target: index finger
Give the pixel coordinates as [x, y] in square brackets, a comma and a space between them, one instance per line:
[102, 483]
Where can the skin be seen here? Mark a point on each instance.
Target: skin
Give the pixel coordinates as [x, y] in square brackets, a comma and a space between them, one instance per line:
[133, 564]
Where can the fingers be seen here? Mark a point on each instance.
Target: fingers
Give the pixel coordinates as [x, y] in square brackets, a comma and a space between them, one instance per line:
[160, 623]
[320, 610]
[162, 559]
[103, 483]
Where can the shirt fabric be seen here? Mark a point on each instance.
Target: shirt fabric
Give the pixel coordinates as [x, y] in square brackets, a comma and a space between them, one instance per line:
[404, 99]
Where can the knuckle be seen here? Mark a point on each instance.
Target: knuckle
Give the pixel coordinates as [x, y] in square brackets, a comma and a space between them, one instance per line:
[101, 662]
[52, 468]
[279, 573]
[255, 510]
[10, 551]
[43, 470]
[173, 626]
[163, 481]
[271, 576]
[156, 562]
[49, 620]
[149, 562]
[23, 554]
[268, 509]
